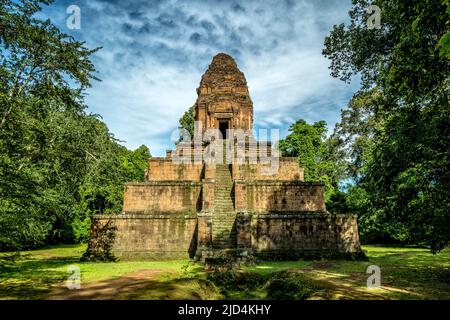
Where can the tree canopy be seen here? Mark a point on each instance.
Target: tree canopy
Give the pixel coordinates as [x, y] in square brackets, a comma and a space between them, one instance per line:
[315, 152]
[58, 164]
[396, 129]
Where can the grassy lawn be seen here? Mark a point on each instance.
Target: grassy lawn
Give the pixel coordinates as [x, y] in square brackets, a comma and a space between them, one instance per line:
[406, 273]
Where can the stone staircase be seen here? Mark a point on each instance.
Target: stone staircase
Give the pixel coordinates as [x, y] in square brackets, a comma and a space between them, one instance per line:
[223, 220]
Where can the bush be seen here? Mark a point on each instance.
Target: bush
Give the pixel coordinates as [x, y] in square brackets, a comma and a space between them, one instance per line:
[288, 286]
[237, 281]
[278, 286]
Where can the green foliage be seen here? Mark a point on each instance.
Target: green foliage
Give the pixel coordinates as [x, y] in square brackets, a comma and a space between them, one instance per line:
[187, 121]
[395, 132]
[281, 285]
[58, 164]
[233, 280]
[288, 286]
[305, 141]
[444, 42]
[444, 45]
[315, 152]
[80, 229]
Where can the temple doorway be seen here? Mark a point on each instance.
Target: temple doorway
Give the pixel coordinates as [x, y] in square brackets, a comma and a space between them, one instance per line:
[223, 127]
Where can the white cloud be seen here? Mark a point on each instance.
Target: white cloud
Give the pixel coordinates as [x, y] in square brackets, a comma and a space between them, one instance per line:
[150, 68]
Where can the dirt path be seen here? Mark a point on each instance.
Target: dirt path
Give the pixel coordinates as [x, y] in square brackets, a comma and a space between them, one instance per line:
[108, 289]
[341, 287]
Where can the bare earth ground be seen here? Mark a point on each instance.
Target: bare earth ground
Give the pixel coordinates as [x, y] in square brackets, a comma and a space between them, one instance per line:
[109, 289]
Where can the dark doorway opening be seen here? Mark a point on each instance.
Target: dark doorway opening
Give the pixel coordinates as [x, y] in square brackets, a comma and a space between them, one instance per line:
[223, 127]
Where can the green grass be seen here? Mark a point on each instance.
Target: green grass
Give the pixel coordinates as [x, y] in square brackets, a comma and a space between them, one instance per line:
[266, 267]
[415, 272]
[35, 272]
[407, 273]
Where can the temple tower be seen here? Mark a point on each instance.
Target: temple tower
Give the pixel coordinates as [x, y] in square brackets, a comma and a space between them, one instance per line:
[223, 101]
[241, 203]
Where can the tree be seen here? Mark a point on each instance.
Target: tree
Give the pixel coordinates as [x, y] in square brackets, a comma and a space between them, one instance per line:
[401, 148]
[58, 164]
[309, 143]
[187, 121]
[43, 74]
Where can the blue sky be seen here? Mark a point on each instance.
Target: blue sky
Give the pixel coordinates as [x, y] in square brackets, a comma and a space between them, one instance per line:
[154, 53]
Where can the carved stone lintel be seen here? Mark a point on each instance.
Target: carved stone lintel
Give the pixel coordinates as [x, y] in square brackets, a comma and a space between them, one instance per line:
[223, 115]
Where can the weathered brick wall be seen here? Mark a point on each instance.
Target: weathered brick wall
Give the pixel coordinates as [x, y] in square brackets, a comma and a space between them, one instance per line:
[204, 229]
[160, 169]
[208, 194]
[149, 236]
[162, 197]
[276, 236]
[287, 169]
[279, 196]
[268, 236]
[244, 230]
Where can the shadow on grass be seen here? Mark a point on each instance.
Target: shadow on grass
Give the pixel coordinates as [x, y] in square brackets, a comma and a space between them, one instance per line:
[134, 288]
[405, 274]
[419, 282]
[32, 278]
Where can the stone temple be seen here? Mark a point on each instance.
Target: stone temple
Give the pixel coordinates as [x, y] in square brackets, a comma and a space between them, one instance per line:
[224, 191]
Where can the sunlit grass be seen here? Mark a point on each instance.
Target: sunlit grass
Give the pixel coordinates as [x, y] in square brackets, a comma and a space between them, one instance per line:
[265, 267]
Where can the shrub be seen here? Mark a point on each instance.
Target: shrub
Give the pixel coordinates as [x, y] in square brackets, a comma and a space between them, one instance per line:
[288, 286]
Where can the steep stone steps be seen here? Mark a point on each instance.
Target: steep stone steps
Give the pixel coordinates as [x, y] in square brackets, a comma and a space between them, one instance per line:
[223, 221]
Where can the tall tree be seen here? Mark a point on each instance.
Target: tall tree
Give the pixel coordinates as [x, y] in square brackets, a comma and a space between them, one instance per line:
[310, 144]
[43, 74]
[58, 164]
[404, 151]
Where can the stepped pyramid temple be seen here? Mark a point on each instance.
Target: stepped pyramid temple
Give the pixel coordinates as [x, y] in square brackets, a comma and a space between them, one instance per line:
[224, 191]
